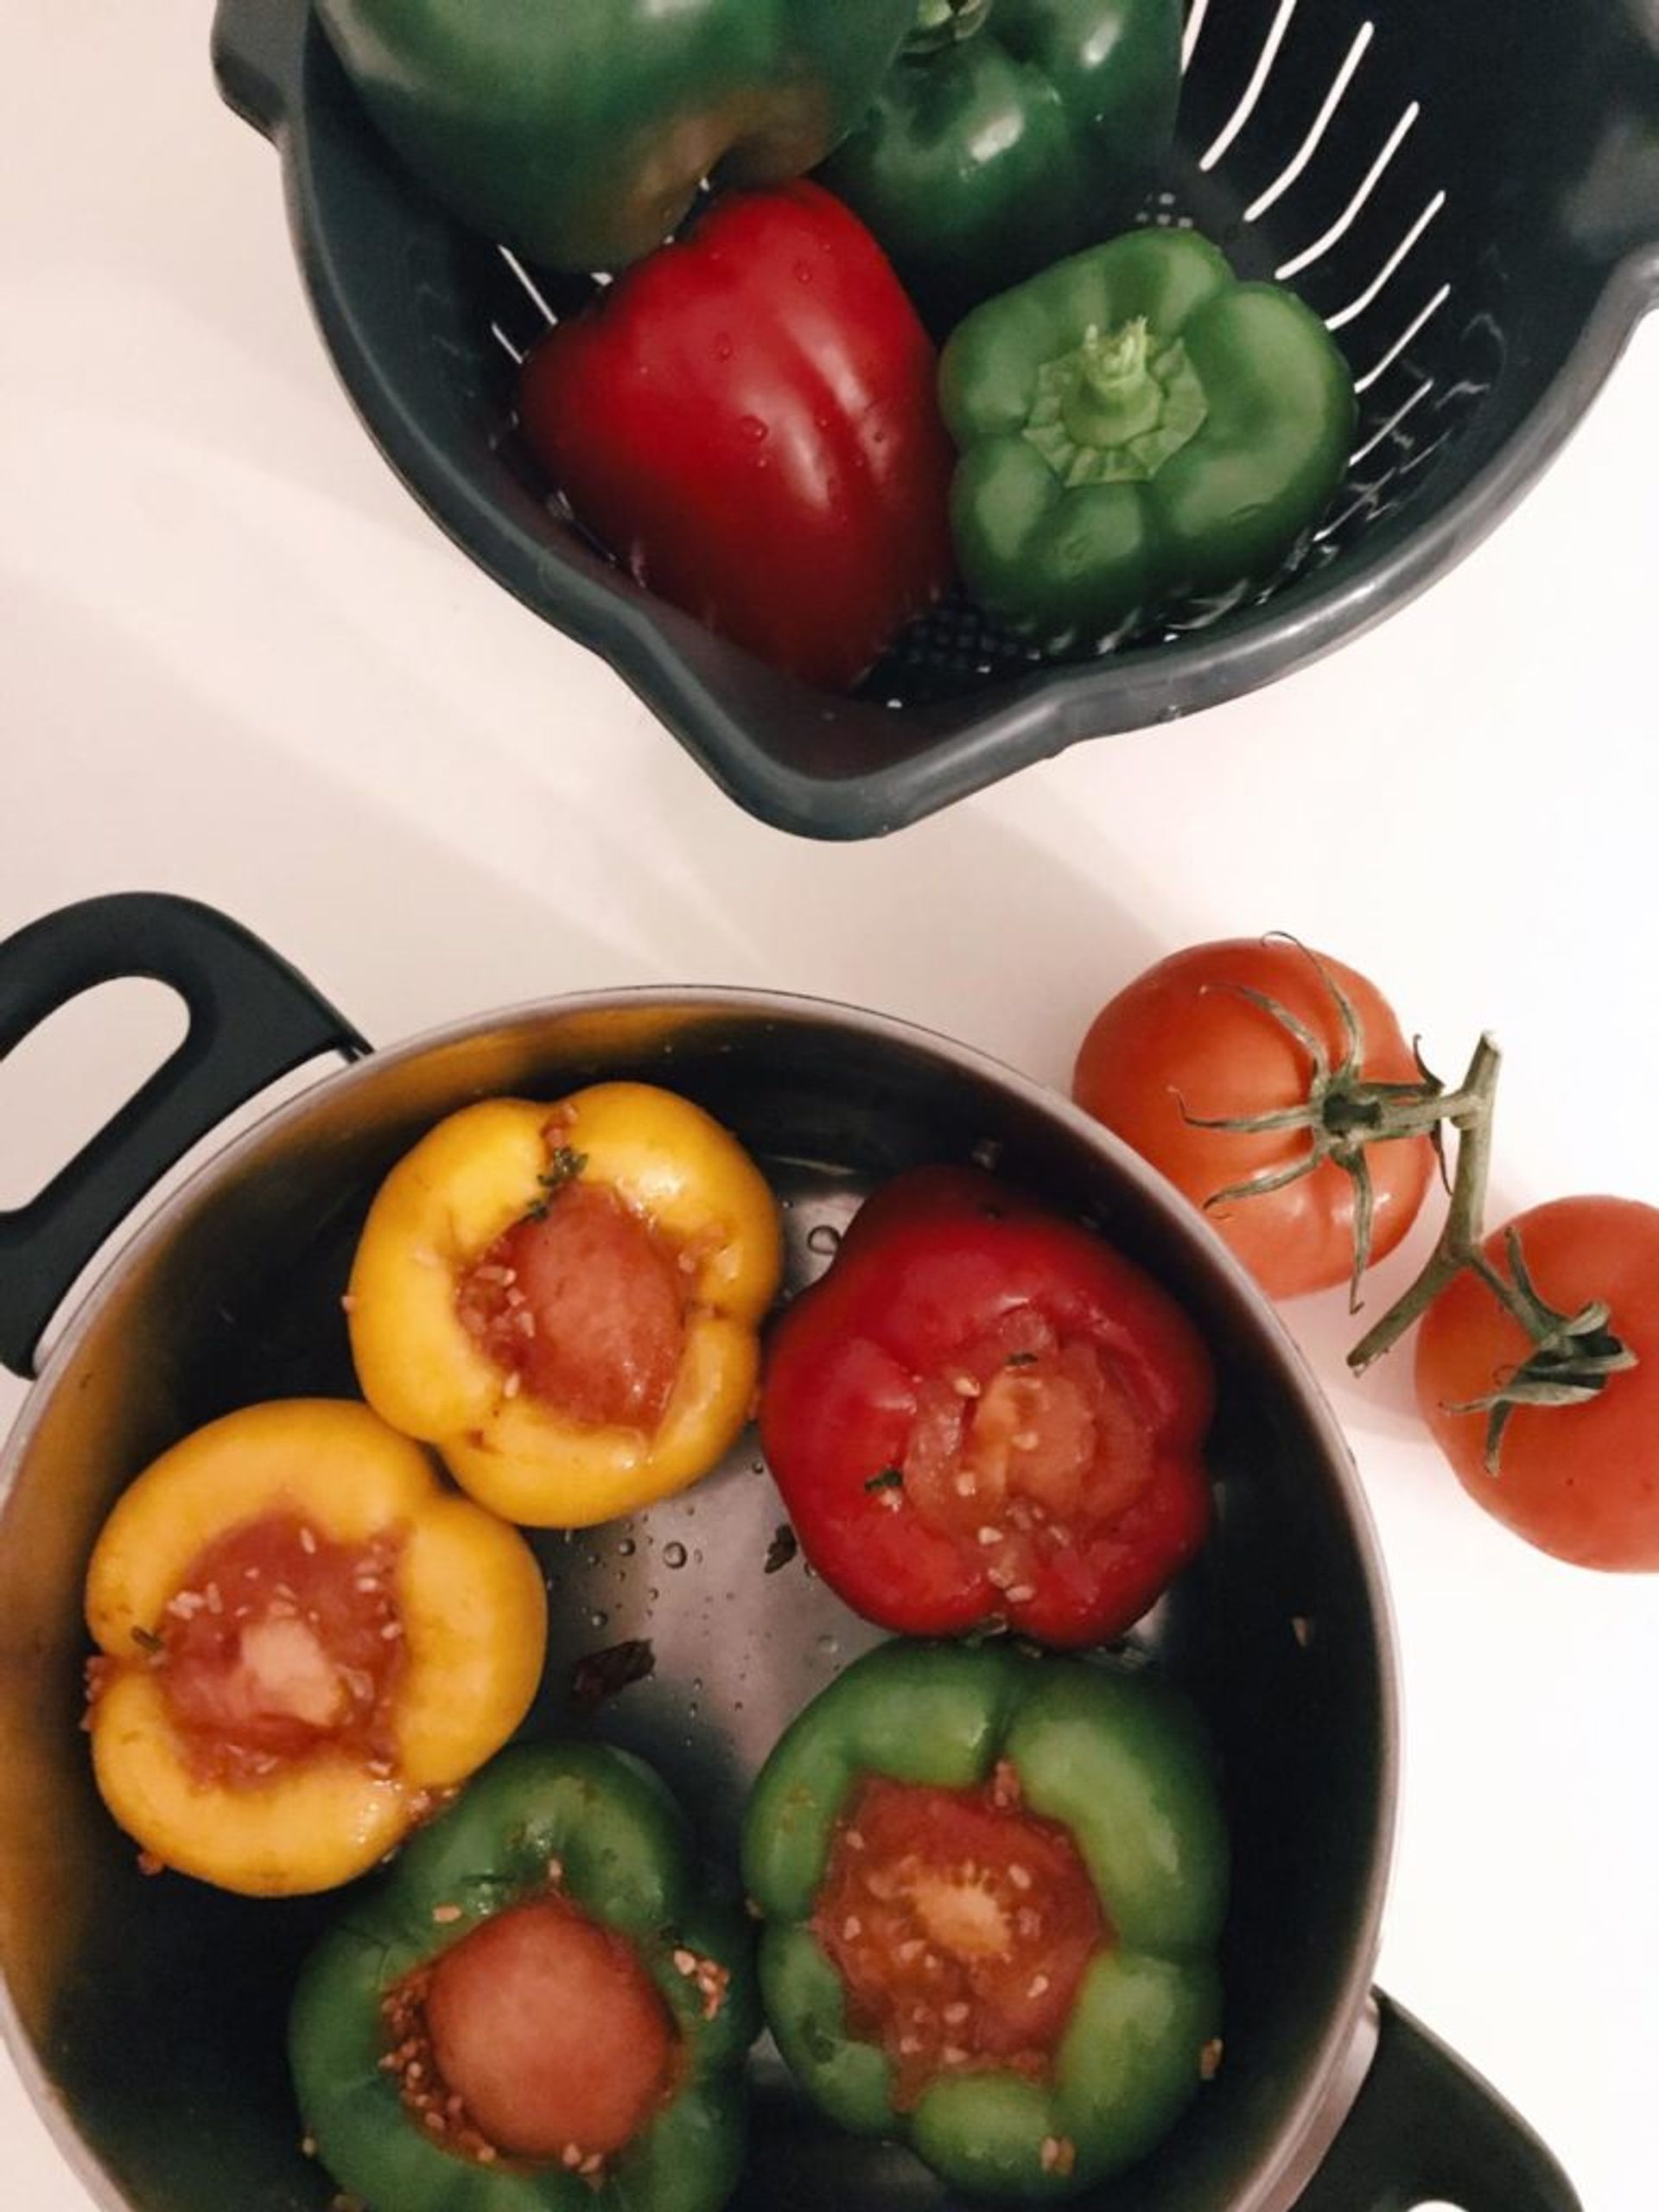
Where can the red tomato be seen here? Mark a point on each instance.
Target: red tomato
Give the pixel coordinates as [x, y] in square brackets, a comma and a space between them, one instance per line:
[983, 1413]
[279, 1641]
[1579, 1480]
[549, 2031]
[1184, 1043]
[584, 1301]
[960, 1925]
[747, 418]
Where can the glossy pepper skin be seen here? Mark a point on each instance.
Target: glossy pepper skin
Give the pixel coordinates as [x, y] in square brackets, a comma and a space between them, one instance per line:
[467, 1180]
[749, 421]
[600, 1828]
[579, 133]
[1140, 436]
[1117, 1757]
[1009, 133]
[471, 1608]
[906, 1397]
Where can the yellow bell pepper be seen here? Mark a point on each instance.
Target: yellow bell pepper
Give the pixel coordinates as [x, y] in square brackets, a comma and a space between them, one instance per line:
[455, 1596]
[499, 1164]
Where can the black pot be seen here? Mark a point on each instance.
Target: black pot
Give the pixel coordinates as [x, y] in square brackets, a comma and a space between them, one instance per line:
[147, 2014]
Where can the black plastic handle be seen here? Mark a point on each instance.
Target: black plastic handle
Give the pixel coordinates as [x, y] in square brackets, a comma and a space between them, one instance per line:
[1425, 2129]
[252, 1018]
[257, 47]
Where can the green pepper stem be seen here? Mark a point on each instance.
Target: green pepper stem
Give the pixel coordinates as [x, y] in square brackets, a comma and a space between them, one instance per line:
[1113, 395]
[944, 22]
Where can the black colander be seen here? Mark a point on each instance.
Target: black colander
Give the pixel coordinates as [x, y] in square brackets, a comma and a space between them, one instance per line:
[1467, 192]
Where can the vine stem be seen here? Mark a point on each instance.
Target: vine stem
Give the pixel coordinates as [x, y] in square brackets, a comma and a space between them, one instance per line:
[1469, 1111]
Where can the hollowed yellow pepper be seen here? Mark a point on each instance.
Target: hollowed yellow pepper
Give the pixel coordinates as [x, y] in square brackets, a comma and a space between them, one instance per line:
[459, 1591]
[502, 1163]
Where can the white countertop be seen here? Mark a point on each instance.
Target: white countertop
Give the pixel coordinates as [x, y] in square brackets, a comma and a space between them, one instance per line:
[238, 663]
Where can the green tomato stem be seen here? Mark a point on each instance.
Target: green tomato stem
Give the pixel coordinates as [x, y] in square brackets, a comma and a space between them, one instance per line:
[1469, 1112]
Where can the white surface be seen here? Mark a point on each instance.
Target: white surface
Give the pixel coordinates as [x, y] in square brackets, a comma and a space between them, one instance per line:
[238, 663]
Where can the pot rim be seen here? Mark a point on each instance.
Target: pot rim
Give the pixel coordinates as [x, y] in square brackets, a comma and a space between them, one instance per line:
[1331, 2081]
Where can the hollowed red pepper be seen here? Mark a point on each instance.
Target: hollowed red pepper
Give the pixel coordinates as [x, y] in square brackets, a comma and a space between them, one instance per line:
[983, 1413]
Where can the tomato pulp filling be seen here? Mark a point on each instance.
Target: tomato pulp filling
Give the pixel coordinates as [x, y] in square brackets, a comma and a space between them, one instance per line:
[581, 1305]
[280, 1643]
[960, 1924]
[538, 2036]
[1024, 1443]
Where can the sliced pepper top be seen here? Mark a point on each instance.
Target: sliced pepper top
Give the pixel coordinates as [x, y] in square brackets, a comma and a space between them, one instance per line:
[564, 1298]
[541, 2005]
[1012, 1768]
[960, 1925]
[305, 1639]
[983, 1413]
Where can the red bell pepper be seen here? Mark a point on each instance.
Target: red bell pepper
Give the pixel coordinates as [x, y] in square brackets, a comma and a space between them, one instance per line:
[747, 418]
[983, 1413]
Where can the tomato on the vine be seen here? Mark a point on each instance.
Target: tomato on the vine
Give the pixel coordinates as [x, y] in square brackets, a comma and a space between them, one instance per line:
[1274, 1087]
[1538, 1373]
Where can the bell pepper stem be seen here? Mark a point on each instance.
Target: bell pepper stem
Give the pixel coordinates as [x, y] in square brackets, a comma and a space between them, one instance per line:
[1113, 395]
[1469, 1111]
[943, 22]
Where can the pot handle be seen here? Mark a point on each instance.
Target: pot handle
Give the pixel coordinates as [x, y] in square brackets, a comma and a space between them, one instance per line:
[257, 47]
[1425, 2129]
[252, 1018]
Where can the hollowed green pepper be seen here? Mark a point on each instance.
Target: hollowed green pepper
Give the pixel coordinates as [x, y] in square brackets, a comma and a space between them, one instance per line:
[595, 1831]
[579, 131]
[1112, 1761]
[1140, 436]
[1008, 133]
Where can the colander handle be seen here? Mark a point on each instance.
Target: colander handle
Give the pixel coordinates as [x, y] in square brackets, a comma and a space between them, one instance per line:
[1425, 2128]
[252, 1019]
[257, 49]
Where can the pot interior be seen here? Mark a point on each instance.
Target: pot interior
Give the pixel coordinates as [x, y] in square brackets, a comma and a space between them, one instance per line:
[150, 2009]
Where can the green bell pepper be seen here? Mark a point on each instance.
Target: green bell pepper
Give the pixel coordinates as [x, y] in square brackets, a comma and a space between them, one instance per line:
[1140, 436]
[579, 131]
[596, 1829]
[1114, 1758]
[1008, 133]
